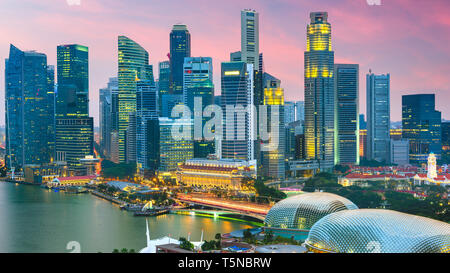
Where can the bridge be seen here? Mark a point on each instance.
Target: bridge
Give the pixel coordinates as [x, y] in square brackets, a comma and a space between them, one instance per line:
[226, 206]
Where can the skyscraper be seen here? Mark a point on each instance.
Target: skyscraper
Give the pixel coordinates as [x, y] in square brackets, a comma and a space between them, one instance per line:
[163, 81]
[273, 154]
[289, 112]
[421, 125]
[29, 114]
[108, 115]
[378, 117]
[319, 92]
[146, 110]
[445, 126]
[180, 48]
[300, 111]
[133, 66]
[197, 83]
[74, 127]
[346, 84]
[239, 128]
[250, 38]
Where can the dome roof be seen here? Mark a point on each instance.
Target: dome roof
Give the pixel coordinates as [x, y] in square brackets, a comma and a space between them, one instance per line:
[379, 231]
[302, 211]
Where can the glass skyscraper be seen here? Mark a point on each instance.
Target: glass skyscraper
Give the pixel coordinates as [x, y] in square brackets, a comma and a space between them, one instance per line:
[378, 117]
[163, 81]
[273, 154]
[197, 83]
[108, 115]
[249, 38]
[346, 84]
[421, 125]
[319, 92]
[29, 98]
[133, 66]
[180, 48]
[74, 127]
[238, 90]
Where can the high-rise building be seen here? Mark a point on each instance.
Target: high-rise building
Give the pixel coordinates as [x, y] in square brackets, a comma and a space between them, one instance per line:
[421, 125]
[74, 127]
[146, 110]
[173, 151]
[163, 81]
[446, 141]
[235, 56]
[273, 154]
[29, 114]
[239, 126]
[399, 153]
[346, 84]
[250, 37]
[289, 112]
[133, 66]
[300, 111]
[363, 143]
[180, 48]
[169, 101]
[378, 116]
[198, 77]
[108, 115]
[73, 81]
[319, 92]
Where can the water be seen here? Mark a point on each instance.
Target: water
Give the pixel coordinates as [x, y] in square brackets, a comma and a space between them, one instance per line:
[33, 219]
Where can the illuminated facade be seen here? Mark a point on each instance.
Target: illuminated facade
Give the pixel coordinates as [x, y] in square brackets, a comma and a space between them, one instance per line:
[225, 174]
[173, 151]
[238, 91]
[300, 212]
[180, 48]
[421, 125]
[108, 115]
[378, 231]
[249, 38]
[378, 117]
[74, 127]
[197, 83]
[273, 156]
[29, 97]
[346, 84]
[163, 81]
[319, 92]
[133, 66]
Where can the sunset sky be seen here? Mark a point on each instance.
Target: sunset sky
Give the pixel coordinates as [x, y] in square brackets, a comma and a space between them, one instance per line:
[410, 39]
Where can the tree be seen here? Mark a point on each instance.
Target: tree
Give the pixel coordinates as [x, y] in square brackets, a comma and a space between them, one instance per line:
[268, 236]
[185, 244]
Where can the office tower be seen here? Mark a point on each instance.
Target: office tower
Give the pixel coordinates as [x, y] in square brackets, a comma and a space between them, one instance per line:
[239, 128]
[399, 153]
[173, 151]
[300, 148]
[289, 112]
[396, 134]
[273, 156]
[169, 101]
[300, 111]
[250, 37]
[235, 56]
[421, 125]
[445, 141]
[346, 84]
[133, 66]
[146, 110]
[163, 81]
[292, 130]
[29, 115]
[218, 100]
[108, 115]
[197, 83]
[319, 92]
[180, 48]
[378, 116]
[51, 108]
[362, 122]
[363, 143]
[73, 81]
[74, 127]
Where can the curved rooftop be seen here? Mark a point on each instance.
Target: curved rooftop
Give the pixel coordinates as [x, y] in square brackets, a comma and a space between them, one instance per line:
[304, 210]
[378, 231]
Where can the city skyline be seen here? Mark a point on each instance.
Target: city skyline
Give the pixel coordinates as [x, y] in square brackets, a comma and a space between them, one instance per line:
[416, 62]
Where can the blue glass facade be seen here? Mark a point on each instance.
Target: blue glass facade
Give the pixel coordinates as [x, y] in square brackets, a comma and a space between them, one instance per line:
[180, 48]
